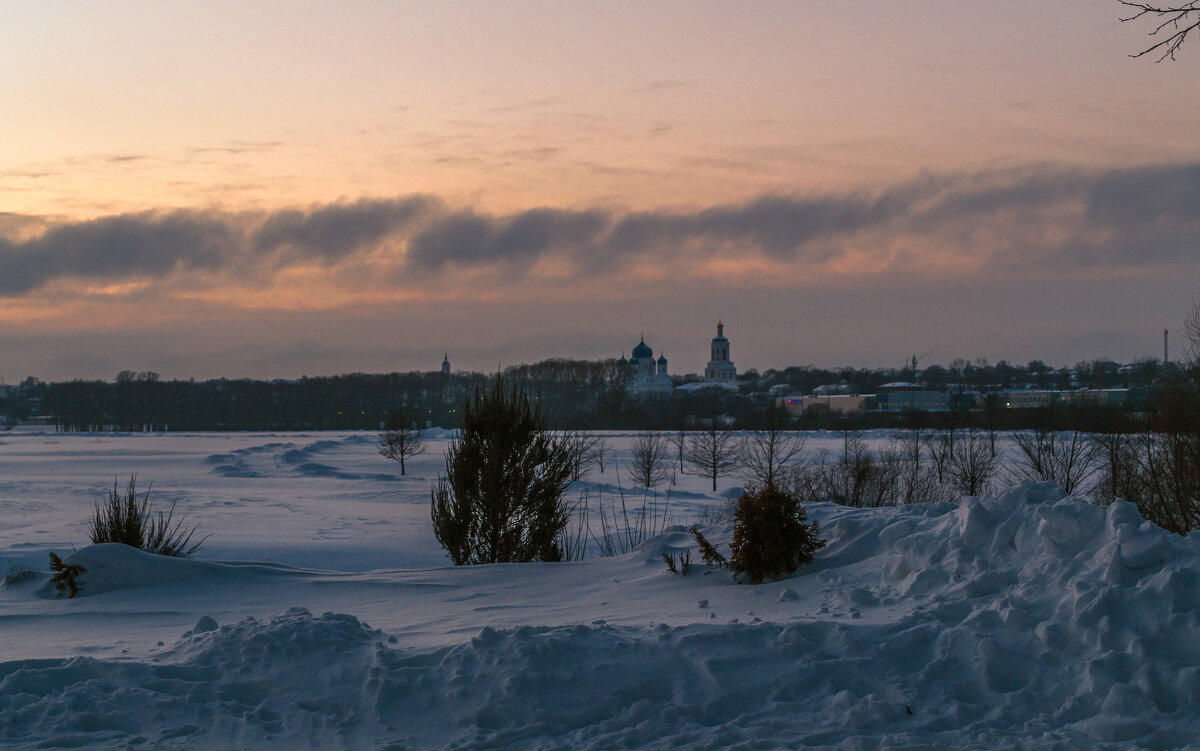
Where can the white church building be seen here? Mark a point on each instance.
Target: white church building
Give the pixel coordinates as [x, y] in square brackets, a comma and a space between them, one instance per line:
[720, 368]
[648, 375]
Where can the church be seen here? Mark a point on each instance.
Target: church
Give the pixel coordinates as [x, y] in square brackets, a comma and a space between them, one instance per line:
[648, 375]
[720, 368]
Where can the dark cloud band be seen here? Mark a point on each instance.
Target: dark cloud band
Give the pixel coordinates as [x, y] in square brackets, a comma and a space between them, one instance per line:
[1123, 218]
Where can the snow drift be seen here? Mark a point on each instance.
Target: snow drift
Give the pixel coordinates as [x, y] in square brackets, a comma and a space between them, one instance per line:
[1022, 619]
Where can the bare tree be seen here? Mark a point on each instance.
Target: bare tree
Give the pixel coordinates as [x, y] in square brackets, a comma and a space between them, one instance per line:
[1191, 334]
[713, 451]
[1117, 466]
[939, 446]
[400, 442]
[993, 410]
[857, 478]
[1158, 469]
[582, 447]
[1167, 487]
[650, 460]
[679, 438]
[910, 443]
[916, 482]
[1174, 22]
[600, 452]
[972, 466]
[1066, 458]
[768, 453]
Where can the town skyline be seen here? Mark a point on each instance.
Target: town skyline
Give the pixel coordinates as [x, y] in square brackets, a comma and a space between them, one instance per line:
[278, 189]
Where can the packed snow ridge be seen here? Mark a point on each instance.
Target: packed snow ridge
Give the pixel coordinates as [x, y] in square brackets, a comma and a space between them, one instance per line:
[1022, 619]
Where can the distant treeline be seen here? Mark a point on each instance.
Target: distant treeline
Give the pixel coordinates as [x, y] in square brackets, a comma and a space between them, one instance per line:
[574, 394]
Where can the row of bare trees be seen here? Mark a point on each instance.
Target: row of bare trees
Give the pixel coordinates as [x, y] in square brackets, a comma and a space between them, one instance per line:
[1154, 464]
[913, 467]
[917, 466]
[760, 457]
[1157, 467]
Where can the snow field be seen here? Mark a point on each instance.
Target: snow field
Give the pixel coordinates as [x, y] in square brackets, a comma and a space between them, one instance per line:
[1023, 619]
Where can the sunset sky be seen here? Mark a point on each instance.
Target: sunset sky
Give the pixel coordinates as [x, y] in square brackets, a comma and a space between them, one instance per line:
[271, 189]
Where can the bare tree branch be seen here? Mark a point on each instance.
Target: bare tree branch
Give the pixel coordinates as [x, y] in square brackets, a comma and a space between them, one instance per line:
[1179, 20]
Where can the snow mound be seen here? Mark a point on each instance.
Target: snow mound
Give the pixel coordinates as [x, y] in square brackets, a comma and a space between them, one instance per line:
[1025, 619]
[113, 567]
[291, 681]
[289, 459]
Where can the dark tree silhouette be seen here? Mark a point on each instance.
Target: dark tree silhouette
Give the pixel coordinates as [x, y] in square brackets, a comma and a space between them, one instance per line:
[1191, 334]
[769, 453]
[400, 442]
[713, 451]
[772, 536]
[1174, 23]
[649, 460]
[500, 500]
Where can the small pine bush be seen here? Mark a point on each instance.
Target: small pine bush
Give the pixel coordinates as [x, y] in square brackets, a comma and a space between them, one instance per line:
[64, 576]
[771, 535]
[712, 558]
[125, 519]
[501, 499]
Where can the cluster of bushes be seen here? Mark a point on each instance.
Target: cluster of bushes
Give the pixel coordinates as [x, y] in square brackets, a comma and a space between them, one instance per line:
[501, 499]
[772, 537]
[1157, 467]
[122, 517]
[915, 467]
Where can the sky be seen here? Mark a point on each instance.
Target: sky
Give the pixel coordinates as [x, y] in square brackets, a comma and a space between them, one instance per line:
[276, 189]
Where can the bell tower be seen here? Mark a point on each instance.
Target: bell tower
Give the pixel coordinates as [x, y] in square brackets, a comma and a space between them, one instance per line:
[720, 369]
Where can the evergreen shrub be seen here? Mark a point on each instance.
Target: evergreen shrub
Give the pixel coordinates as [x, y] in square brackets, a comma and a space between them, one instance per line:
[771, 535]
[501, 499]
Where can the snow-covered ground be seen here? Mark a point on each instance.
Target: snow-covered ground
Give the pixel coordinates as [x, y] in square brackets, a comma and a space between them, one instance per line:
[322, 613]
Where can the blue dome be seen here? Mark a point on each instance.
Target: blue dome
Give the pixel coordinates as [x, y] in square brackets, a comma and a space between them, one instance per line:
[642, 350]
[662, 359]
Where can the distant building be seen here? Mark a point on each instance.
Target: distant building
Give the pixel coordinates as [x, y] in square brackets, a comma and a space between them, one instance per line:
[446, 363]
[833, 389]
[1033, 399]
[842, 404]
[897, 386]
[647, 375]
[720, 368]
[911, 400]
